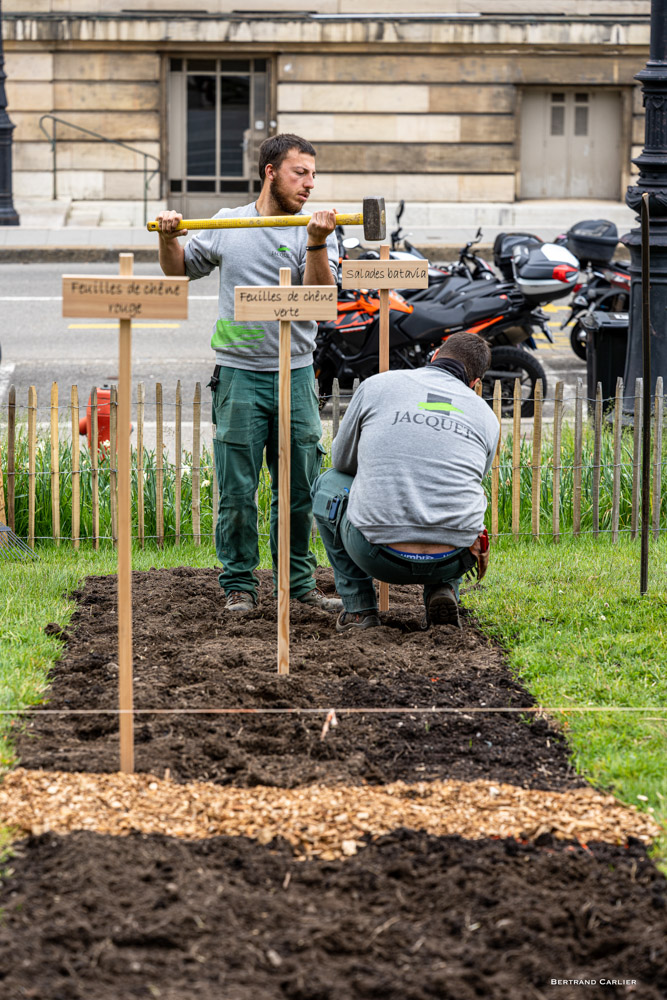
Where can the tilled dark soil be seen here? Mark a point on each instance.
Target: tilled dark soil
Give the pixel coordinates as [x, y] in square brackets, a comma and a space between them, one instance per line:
[411, 917]
[189, 653]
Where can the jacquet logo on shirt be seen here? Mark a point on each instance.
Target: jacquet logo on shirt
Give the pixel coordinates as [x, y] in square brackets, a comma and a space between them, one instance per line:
[442, 404]
[438, 415]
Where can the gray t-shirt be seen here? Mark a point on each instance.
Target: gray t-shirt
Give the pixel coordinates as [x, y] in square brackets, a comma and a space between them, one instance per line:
[254, 257]
[419, 444]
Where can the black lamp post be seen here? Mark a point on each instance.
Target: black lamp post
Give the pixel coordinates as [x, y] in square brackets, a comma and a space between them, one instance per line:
[8, 214]
[652, 165]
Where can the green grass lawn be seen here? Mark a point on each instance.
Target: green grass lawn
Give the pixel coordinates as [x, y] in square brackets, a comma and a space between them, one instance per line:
[580, 636]
[570, 616]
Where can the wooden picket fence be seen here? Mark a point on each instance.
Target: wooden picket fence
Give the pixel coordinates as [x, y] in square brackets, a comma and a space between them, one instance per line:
[102, 455]
[508, 488]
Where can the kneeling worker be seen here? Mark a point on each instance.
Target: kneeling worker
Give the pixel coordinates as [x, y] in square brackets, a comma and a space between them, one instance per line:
[404, 502]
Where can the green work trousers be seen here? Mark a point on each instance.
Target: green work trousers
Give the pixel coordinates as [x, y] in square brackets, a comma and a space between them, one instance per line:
[245, 414]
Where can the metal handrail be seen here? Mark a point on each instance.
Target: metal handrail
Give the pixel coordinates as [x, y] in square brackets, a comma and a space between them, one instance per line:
[114, 142]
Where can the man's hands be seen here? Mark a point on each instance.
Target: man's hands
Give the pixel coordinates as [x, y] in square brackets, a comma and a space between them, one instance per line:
[172, 255]
[167, 222]
[321, 225]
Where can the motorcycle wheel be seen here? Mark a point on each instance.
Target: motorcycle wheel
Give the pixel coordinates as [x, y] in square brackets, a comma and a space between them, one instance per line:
[508, 364]
[577, 345]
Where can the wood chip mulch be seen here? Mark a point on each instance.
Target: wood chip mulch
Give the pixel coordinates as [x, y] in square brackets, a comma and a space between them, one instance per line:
[319, 821]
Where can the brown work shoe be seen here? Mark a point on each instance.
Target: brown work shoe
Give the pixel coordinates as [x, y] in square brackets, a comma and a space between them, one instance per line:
[352, 621]
[240, 600]
[316, 599]
[442, 608]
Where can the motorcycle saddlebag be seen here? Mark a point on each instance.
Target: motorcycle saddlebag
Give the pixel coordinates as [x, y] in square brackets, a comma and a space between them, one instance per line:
[546, 272]
[503, 248]
[593, 240]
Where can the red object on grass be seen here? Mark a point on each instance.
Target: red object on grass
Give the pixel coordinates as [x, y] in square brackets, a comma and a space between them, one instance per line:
[103, 419]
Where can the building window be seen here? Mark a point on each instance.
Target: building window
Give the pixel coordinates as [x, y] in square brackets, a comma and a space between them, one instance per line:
[581, 114]
[558, 114]
[218, 119]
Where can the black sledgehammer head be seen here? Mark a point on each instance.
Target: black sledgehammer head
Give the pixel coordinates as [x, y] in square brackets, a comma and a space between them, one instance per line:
[375, 222]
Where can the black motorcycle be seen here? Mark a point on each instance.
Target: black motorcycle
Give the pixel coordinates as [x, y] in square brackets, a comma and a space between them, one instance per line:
[606, 282]
[505, 313]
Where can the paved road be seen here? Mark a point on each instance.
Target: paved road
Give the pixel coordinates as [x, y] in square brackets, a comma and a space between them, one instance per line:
[39, 346]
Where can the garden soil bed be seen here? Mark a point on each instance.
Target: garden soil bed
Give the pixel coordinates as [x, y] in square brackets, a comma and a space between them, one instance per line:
[410, 917]
[190, 654]
[364, 865]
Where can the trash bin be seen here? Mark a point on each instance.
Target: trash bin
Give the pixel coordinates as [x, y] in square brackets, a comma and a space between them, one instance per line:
[606, 345]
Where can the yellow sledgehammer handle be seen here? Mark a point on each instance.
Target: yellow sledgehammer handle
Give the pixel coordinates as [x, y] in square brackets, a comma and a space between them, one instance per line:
[260, 222]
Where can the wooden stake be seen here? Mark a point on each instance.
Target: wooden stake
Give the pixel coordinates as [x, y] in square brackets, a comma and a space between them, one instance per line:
[76, 467]
[495, 467]
[657, 458]
[55, 466]
[177, 468]
[94, 467]
[113, 461]
[125, 536]
[32, 456]
[159, 465]
[537, 459]
[555, 504]
[516, 458]
[597, 455]
[636, 458]
[578, 452]
[383, 603]
[155, 298]
[307, 302]
[196, 460]
[284, 483]
[141, 402]
[616, 487]
[11, 457]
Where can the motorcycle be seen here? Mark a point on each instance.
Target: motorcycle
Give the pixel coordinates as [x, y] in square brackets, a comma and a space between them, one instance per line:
[505, 313]
[606, 287]
[606, 284]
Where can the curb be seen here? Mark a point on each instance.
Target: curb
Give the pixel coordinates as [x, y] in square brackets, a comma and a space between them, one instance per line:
[97, 254]
[46, 255]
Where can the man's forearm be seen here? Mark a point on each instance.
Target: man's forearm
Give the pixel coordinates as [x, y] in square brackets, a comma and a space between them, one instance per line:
[318, 271]
[172, 258]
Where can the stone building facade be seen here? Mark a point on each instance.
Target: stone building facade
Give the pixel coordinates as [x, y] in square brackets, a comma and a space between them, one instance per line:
[457, 101]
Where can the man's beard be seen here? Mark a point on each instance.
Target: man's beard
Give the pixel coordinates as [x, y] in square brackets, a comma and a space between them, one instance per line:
[281, 199]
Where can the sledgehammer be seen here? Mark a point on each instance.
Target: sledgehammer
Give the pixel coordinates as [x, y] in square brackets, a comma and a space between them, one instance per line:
[372, 218]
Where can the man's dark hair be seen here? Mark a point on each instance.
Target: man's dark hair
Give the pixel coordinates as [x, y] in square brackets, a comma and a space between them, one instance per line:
[471, 350]
[276, 147]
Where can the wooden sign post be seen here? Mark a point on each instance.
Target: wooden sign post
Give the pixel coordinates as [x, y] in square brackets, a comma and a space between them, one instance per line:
[284, 304]
[125, 297]
[383, 275]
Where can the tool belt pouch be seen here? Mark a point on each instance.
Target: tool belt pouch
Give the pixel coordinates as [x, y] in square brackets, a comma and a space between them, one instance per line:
[482, 559]
[331, 510]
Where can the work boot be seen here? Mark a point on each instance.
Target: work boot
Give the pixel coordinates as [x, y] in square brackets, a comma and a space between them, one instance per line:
[442, 608]
[349, 621]
[240, 600]
[316, 599]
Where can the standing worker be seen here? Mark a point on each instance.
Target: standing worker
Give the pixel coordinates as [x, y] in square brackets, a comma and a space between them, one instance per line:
[404, 502]
[245, 379]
